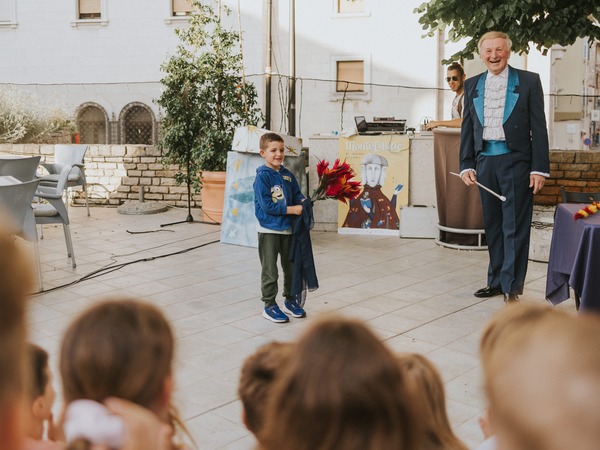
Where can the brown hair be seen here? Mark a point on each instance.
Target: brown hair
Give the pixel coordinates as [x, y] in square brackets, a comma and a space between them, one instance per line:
[428, 389]
[495, 35]
[38, 363]
[268, 137]
[341, 390]
[258, 374]
[118, 348]
[458, 67]
[16, 281]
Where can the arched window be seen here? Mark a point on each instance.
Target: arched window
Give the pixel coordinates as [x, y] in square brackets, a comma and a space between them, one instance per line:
[92, 124]
[137, 125]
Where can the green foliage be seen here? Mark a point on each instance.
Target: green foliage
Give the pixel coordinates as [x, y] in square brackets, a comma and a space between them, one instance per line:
[204, 99]
[542, 22]
[26, 119]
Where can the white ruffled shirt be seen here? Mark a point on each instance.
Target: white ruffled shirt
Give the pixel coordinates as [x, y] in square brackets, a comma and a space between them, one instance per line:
[493, 105]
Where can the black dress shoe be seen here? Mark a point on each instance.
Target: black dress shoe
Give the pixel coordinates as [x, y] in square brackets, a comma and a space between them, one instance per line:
[511, 298]
[488, 291]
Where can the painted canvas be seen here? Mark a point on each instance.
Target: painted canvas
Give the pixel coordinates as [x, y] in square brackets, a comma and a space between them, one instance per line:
[239, 223]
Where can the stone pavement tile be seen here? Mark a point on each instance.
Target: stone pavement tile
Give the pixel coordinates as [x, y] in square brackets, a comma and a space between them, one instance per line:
[417, 296]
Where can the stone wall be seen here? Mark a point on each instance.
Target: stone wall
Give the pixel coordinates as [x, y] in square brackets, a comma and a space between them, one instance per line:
[115, 173]
[576, 170]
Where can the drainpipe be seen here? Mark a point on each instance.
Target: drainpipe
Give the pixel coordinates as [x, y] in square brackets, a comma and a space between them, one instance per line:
[439, 98]
[268, 68]
[292, 79]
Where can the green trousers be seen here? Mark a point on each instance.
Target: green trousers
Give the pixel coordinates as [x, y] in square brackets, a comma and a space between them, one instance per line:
[269, 247]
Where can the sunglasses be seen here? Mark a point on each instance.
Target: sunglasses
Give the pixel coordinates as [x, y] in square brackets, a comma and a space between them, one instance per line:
[453, 78]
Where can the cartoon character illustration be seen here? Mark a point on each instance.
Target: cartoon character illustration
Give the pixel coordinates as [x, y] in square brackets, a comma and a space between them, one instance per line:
[372, 209]
[277, 194]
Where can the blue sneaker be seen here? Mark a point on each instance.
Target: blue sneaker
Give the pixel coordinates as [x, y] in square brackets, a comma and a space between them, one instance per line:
[274, 314]
[293, 308]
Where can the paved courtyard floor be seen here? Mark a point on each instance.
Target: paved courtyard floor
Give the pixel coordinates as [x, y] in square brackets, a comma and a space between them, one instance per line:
[417, 296]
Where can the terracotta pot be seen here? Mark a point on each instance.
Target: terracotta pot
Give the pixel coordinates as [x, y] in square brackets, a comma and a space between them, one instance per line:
[213, 196]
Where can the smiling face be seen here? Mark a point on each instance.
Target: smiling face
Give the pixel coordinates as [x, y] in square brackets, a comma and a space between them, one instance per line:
[273, 154]
[494, 53]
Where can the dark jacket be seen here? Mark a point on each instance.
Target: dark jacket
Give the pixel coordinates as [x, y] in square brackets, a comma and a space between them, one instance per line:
[524, 120]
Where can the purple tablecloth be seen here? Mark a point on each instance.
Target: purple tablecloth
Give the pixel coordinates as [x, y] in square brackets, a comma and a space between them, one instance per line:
[574, 257]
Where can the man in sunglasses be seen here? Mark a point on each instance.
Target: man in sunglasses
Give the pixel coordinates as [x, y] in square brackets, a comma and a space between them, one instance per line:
[455, 78]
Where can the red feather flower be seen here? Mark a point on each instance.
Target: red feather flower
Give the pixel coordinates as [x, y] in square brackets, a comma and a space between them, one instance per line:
[335, 182]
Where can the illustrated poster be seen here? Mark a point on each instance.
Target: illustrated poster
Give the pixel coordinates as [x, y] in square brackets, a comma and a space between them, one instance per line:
[381, 164]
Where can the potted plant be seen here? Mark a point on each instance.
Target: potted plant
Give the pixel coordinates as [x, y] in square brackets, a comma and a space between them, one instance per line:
[204, 99]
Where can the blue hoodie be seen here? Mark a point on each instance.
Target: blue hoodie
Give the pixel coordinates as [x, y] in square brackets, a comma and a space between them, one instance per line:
[273, 192]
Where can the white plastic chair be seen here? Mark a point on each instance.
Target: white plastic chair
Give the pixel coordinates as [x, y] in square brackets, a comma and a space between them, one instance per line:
[16, 200]
[68, 155]
[55, 211]
[23, 169]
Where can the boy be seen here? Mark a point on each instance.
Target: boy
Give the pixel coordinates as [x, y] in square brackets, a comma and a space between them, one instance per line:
[276, 196]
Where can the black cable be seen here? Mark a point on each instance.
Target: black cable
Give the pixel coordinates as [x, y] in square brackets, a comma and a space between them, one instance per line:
[113, 268]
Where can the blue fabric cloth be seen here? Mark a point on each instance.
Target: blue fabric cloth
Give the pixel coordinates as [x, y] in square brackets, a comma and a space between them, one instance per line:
[574, 259]
[304, 275]
[274, 191]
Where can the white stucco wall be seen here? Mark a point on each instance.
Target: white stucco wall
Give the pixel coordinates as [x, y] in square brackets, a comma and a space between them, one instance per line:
[119, 62]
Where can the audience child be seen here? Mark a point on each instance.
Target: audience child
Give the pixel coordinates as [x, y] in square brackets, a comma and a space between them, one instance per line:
[341, 389]
[277, 195]
[258, 375]
[502, 324]
[117, 348]
[543, 384]
[15, 284]
[41, 399]
[428, 388]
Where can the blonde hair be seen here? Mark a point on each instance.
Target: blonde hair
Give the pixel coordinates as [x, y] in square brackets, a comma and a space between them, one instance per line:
[428, 388]
[495, 35]
[341, 390]
[543, 383]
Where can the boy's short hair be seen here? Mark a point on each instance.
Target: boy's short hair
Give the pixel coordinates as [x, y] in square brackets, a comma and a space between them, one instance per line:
[38, 362]
[258, 374]
[269, 137]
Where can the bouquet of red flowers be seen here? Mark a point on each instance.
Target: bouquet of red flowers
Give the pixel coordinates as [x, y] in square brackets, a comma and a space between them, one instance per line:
[586, 211]
[335, 182]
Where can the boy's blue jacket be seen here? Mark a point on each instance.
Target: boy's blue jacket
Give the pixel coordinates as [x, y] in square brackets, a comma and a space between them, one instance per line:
[273, 192]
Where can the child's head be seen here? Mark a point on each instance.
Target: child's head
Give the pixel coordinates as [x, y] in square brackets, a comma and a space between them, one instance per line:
[41, 391]
[258, 374]
[543, 384]
[119, 348]
[428, 388]
[272, 149]
[342, 388]
[15, 285]
[268, 138]
[507, 321]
